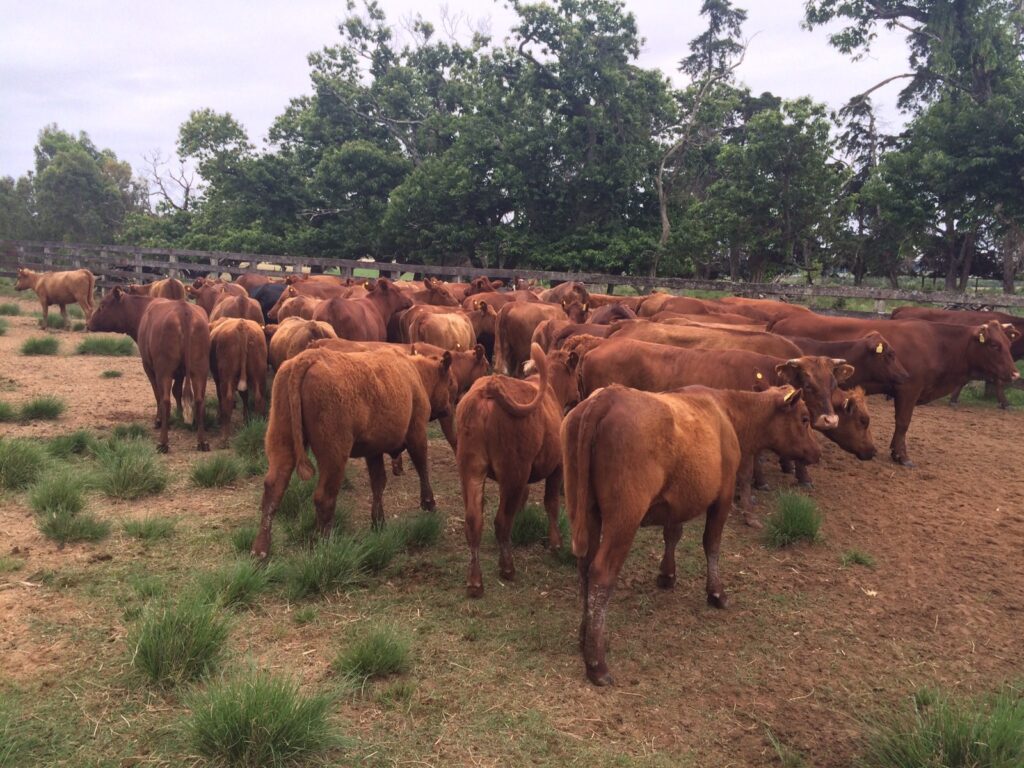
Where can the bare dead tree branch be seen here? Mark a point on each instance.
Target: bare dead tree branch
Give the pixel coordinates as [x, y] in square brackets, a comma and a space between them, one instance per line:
[162, 176]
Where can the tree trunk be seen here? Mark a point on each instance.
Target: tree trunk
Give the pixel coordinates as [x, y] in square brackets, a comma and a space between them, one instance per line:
[734, 263]
[966, 261]
[1013, 254]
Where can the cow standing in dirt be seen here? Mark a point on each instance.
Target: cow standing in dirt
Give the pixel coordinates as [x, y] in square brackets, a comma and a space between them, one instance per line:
[61, 288]
[238, 361]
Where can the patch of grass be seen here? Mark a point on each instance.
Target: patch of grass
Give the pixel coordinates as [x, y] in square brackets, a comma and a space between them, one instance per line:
[248, 441]
[114, 346]
[40, 345]
[111, 374]
[237, 585]
[974, 394]
[788, 757]
[149, 528]
[398, 695]
[259, 721]
[65, 527]
[305, 615]
[78, 326]
[856, 557]
[422, 530]
[76, 312]
[57, 493]
[21, 463]
[243, 537]
[146, 586]
[129, 470]
[10, 564]
[564, 555]
[7, 412]
[10, 309]
[378, 548]
[953, 734]
[796, 518]
[211, 416]
[132, 431]
[77, 443]
[42, 408]
[53, 319]
[331, 564]
[380, 652]
[12, 741]
[179, 642]
[3, 327]
[530, 525]
[217, 471]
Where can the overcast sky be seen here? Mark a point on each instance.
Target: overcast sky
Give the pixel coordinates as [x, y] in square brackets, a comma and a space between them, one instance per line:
[129, 74]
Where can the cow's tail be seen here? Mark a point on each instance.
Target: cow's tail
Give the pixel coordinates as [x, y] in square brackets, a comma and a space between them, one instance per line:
[501, 352]
[242, 336]
[298, 367]
[188, 400]
[497, 388]
[92, 293]
[582, 506]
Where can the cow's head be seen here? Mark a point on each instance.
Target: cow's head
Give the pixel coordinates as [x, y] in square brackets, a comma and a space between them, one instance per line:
[439, 294]
[577, 311]
[789, 431]
[438, 380]
[483, 318]
[881, 362]
[114, 313]
[468, 366]
[26, 279]
[989, 353]
[853, 434]
[817, 377]
[563, 380]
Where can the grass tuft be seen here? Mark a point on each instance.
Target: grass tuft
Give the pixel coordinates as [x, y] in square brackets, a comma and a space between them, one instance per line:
[43, 408]
[953, 734]
[422, 530]
[40, 345]
[53, 319]
[3, 327]
[243, 537]
[381, 652]
[57, 493]
[856, 557]
[219, 470]
[111, 374]
[796, 518]
[147, 587]
[149, 528]
[114, 346]
[65, 528]
[21, 463]
[7, 412]
[179, 642]
[530, 525]
[77, 443]
[132, 431]
[10, 309]
[259, 721]
[248, 442]
[236, 585]
[331, 564]
[379, 547]
[129, 470]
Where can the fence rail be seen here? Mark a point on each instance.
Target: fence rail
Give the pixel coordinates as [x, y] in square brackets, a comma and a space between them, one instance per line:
[118, 264]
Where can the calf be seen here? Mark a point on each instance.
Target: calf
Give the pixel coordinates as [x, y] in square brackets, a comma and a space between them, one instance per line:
[174, 343]
[635, 458]
[238, 361]
[508, 432]
[61, 288]
[349, 405]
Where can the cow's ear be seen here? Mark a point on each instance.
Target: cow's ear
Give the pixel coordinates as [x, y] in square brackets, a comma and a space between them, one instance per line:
[980, 333]
[1011, 331]
[446, 361]
[789, 371]
[842, 370]
[497, 284]
[371, 285]
[848, 405]
[878, 348]
[792, 397]
[573, 360]
[480, 352]
[118, 292]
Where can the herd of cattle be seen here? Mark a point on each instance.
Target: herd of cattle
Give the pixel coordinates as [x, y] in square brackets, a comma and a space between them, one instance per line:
[649, 410]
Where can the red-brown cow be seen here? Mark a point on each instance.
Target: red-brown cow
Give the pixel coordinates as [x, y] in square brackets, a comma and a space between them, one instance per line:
[635, 458]
[174, 343]
[364, 319]
[241, 307]
[238, 362]
[874, 361]
[293, 335]
[313, 288]
[298, 306]
[508, 432]
[703, 337]
[168, 288]
[514, 329]
[61, 288]
[938, 357]
[208, 292]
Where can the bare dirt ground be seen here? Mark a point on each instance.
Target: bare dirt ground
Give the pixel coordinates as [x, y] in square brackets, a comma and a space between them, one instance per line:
[810, 650]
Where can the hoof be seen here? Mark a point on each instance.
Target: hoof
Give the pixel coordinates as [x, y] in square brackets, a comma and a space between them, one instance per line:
[953, 403]
[600, 677]
[259, 554]
[162, 448]
[718, 600]
[666, 582]
[904, 461]
[753, 522]
[474, 590]
[507, 575]
[202, 446]
[762, 487]
[804, 483]
[428, 505]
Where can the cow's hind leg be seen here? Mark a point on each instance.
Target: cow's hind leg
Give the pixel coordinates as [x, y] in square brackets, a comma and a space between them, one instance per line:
[667, 574]
[716, 516]
[614, 546]
[552, 489]
[46, 313]
[226, 401]
[163, 400]
[417, 446]
[397, 466]
[274, 485]
[176, 391]
[473, 479]
[905, 401]
[325, 497]
[378, 481]
[63, 315]
[511, 500]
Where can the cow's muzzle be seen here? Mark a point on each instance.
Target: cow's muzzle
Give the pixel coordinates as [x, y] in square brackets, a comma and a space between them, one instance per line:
[827, 422]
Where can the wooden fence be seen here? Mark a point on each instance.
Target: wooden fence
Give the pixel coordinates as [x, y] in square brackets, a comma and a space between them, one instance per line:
[118, 264]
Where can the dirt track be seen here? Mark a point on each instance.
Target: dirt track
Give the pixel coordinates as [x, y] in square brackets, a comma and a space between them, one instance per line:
[808, 649]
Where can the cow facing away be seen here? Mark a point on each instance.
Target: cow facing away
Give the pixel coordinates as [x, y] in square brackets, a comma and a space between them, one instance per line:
[349, 405]
[238, 361]
[635, 458]
[168, 288]
[61, 288]
[174, 343]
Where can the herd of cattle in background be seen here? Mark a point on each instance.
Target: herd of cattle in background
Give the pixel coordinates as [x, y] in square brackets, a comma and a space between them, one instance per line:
[651, 410]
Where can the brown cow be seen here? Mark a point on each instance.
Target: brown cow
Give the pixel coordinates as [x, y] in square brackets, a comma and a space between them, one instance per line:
[569, 290]
[298, 306]
[514, 329]
[874, 361]
[241, 307]
[497, 300]
[938, 357]
[717, 318]
[313, 288]
[699, 337]
[609, 313]
[250, 281]
[763, 310]
[364, 319]
[684, 305]
[293, 335]
[168, 288]
[174, 343]
[208, 292]
[349, 405]
[449, 330]
[61, 288]
[238, 361]
[1013, 325]
[635, 458]
[435, 293]
[508, 432]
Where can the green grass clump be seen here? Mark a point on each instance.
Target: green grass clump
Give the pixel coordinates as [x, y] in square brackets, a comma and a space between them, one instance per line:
[248, 442]
[259, 721]
[380, 652]
[77, 443]
[43, 408]
[379, 547]
[564, 555]
[65, 528]
[40, 345]
[129, 470]
[7, 412]
[530, 525]
[305, 615]
[856, 557]
[21, 463]
[242, 538]
[951, 734]
[3, 327]
[149, 528]
[237, 585]
[132, 431]
[332, 563]
[217, 471]
[53, 319]
[114, 346]
[796, 518]
[422, 530]
[146, 586]
[10, 564]
[76, 312]
[57, 492]
[78, 326]
[10, 309]
[12, 741]
[111, 374]
[179, 642]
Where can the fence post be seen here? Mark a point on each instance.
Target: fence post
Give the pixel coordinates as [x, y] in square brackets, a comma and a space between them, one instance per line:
[137, 258]
[880, 307]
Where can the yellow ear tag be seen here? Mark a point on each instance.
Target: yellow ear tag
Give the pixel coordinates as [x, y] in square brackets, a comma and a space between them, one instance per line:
[879, 349]
[759, 375]
[981, 337]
